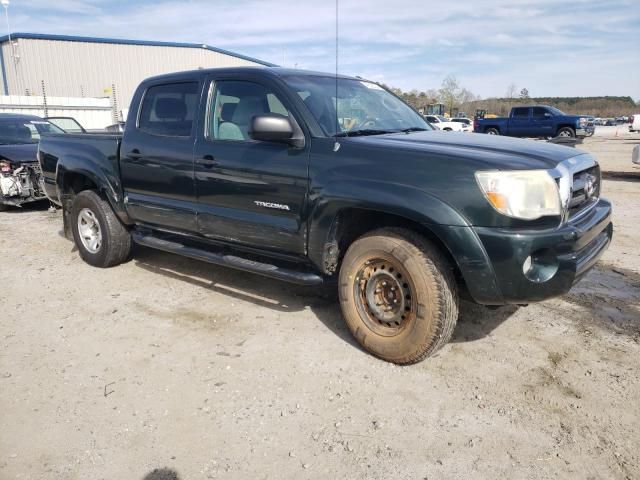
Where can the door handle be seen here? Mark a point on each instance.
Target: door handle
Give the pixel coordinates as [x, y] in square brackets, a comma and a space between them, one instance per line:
[207, 161]
[134, 154]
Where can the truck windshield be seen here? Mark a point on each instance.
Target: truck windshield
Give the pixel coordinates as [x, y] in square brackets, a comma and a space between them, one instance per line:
[364, 108]
[556, 111]
[15, 131]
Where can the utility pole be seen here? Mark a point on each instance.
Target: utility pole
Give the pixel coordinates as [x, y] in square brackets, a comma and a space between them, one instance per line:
[14, 57]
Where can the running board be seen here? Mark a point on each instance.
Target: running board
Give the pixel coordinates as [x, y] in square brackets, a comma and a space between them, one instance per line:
[228, 260]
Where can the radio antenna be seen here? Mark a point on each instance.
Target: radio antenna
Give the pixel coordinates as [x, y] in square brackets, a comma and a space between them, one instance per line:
[336, 145]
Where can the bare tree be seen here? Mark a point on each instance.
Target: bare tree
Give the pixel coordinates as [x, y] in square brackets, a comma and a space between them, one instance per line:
[524, 94]
[450, 92]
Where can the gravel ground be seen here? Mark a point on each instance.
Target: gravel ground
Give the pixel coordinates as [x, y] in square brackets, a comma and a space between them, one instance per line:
[167, 368]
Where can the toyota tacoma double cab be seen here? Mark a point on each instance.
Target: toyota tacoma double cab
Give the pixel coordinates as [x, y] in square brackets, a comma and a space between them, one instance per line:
[267, 170]
[537, 121]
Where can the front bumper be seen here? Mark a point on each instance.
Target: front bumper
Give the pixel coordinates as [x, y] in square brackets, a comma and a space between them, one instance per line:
[585, 132]
[560, 257]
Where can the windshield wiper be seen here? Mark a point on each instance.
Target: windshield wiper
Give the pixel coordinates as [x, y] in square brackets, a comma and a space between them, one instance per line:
[363, 132]
[414, 129]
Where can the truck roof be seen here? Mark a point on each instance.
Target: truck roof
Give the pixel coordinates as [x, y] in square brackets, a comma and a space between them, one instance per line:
[268, 71]
[19, 116]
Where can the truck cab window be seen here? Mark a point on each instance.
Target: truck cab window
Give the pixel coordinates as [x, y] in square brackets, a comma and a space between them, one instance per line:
[521, 112]
[168, 110]
[539, 113]
[233, 106]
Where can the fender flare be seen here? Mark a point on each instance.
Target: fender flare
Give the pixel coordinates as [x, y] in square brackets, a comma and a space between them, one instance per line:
[403, 201]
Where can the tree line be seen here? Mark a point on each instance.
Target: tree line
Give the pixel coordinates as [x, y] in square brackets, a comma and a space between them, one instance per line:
[457, 98]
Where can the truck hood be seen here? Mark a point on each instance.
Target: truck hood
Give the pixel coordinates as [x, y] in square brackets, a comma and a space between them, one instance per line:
[489, 151]
[19, 153]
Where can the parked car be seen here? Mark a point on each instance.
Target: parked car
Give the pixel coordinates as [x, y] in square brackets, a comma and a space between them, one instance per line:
[635, 123]
[20, 175]
[68, 124]
[251, 168]
[536, 121]
[467, 125]
[443, 123]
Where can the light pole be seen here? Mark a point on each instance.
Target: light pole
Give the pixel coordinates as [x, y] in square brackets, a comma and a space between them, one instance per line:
[5, 4]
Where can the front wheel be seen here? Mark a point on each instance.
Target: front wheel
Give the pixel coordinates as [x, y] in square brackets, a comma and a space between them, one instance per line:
[398, 295]
[100, 237]
[492, 131]
[566, 132]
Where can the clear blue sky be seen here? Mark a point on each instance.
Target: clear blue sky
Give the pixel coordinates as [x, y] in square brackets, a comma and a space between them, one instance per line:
[553, 48]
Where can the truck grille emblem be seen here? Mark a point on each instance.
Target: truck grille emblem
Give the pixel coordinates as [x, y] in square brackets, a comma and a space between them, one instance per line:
[589, 186]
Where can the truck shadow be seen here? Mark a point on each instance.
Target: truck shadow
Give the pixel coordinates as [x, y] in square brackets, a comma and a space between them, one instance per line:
[475, 321]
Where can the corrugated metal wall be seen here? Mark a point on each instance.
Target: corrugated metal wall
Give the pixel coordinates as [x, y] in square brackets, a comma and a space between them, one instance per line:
[92, 113]
[77, 69]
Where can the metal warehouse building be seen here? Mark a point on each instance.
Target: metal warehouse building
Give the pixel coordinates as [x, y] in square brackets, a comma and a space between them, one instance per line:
[67, 66]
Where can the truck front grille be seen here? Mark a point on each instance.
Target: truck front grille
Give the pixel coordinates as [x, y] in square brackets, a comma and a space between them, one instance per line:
[585, 191]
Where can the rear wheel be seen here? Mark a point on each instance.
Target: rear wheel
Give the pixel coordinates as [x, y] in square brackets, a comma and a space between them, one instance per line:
[398, 295]
[100, 237]
[492, 131]
[566, 132]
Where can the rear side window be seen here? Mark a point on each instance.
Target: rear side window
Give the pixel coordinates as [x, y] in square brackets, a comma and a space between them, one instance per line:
[168, 110]
[521, 112]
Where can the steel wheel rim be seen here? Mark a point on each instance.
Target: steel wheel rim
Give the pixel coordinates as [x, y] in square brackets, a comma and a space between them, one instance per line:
[89, 230]
[385, 296]
[491, 132]
[564, 133]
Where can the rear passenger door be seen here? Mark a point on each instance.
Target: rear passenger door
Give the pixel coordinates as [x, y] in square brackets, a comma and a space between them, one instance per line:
[519, 122]
[156, 156]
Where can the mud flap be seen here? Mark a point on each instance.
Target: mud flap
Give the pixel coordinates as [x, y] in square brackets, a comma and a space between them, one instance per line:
[66, 225]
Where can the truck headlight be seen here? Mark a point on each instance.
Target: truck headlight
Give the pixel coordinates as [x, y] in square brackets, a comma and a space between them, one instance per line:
[524, 194]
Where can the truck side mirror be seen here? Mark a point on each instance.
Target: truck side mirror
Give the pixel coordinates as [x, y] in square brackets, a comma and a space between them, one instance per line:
[271, 127]
[547, 115]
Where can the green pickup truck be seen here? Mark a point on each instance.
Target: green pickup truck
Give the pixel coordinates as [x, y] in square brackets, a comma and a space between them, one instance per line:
[253, 168]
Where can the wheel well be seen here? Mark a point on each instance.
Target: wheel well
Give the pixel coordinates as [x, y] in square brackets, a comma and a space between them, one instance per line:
[495, 127]
[75, 183]
[560, 127]
[352, 223]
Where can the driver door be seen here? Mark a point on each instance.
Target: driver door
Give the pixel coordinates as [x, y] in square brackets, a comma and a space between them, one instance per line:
[249, 192]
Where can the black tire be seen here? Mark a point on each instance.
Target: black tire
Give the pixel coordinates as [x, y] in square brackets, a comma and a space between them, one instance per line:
[115, 244]
[446, 129]
[566, 132]
[4, 207]
[391, 258]
[492, 131]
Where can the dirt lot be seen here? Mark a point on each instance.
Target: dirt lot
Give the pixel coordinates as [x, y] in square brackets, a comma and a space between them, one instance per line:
[167, 363]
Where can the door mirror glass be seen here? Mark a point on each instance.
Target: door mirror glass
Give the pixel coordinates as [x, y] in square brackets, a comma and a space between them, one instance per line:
[272, 127]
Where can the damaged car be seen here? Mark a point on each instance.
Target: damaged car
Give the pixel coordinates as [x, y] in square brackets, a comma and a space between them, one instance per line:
[20, 173]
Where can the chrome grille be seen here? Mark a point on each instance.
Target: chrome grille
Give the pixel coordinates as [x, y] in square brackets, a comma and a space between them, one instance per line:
[585, 190]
